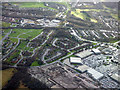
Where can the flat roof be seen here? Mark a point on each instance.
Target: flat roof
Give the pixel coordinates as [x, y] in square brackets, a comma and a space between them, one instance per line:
[75, 60]
[96, 50]
[116, 77]
[84, 54]
[95, 74]
[83, 68]
[67, 62]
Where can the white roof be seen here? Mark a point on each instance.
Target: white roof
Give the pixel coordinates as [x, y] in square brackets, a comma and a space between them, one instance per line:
[118, 51]
[96, 50]
[57, 21]
[83, 68]
[84, 53]
[67, 62]
[116, 77]
[95, 74]
[102, 44]
[75, 60]
[38, 20]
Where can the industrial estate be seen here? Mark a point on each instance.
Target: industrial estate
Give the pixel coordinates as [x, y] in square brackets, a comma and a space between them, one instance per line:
[60, 45]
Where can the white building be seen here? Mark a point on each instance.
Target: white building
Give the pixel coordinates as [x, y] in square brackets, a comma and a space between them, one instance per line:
[116, 77]
[67, 62]
[95, 74]
[75, 60]
[83, 68]
[96, 51]
[84, 54]
[55, 21]
[27, 21]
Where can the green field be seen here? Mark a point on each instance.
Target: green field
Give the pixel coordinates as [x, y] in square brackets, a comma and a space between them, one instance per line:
[94, 43]
[32, 5]
[29, 49]
[94, 10]
[6, 30]
[16, 32]
[30, 35]
[62, 3]
[78, 13]
[22, 45]
[25, 33]
[29, 4]
[0, 38]
[114, 41]
[14, 40]
[93, 20]
[35, 63]
[115, 16]
[5, 24]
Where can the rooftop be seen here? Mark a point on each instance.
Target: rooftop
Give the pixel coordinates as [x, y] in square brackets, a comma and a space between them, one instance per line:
[75, 60]
[96, 51]
[116, 77]
[95, 74]
[83, 68]
[84, 54]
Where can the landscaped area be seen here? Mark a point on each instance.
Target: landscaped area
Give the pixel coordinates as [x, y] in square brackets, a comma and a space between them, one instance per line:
[31, 33]
[25, 33]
